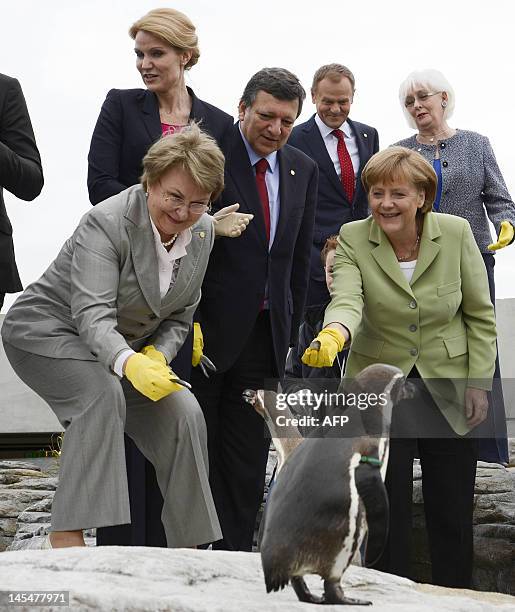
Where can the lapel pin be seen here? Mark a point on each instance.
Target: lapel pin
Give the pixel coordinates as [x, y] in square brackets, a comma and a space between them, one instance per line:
[365, 135]
[292, 172]
[202, 234]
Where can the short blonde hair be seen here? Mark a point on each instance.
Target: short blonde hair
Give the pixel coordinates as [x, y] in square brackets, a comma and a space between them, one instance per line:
[174, 27]
[192, 150]
[399, 163]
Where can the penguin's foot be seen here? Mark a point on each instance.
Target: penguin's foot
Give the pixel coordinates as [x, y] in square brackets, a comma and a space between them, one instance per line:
[303, 593]
[333, 594]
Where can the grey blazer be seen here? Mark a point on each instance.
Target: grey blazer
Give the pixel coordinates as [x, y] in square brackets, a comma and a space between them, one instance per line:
[472, 183]
[101, 294]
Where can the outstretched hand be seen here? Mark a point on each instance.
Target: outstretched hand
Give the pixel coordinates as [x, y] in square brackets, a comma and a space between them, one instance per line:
[230, 223]
[322, 352]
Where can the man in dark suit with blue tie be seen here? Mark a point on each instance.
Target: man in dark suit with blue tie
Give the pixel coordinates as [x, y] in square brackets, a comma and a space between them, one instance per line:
[254, 292]
[341, 148]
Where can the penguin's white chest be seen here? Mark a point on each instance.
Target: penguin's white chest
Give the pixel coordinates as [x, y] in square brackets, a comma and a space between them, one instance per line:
[343, 558]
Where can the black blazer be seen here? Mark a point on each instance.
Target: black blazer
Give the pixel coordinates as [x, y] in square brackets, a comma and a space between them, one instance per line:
[127, 126]
[20, 171]
[333, 207]
[239, 268]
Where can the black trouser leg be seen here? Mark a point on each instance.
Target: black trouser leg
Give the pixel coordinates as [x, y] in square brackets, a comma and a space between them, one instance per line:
[237, 444]
[448, 477]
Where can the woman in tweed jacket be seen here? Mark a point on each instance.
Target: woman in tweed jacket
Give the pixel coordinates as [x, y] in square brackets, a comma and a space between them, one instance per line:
[470, 185]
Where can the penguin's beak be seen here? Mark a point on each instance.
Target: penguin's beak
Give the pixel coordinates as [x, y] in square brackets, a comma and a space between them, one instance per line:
[372, 491]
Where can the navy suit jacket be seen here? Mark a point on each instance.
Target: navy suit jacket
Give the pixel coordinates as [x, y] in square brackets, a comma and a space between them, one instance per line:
[127, 126]
[240, 268]
[333, 207]
[20, 171]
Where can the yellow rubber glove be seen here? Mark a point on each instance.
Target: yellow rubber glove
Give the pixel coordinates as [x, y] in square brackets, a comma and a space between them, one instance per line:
[330, 342]
[152, 379]
[505, 237]
[151, 351]
[198, 345]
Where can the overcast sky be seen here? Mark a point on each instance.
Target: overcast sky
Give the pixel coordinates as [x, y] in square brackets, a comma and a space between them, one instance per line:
[68, 54]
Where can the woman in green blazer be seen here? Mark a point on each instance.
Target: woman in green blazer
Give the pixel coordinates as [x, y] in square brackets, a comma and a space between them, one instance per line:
[410, 289]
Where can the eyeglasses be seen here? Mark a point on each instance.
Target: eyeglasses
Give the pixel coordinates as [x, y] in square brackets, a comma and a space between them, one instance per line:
[421, 96]
[197, 208]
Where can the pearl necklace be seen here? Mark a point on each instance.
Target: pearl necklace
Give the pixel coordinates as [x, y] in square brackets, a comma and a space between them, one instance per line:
[171, 241]
[412, 250]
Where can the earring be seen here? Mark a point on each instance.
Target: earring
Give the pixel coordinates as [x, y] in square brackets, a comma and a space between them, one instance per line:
[444, 103]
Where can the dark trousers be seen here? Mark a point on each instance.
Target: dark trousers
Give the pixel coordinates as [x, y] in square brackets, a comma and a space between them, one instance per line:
[448, 465]
[493, 446]
[237, 443]
[146, 501]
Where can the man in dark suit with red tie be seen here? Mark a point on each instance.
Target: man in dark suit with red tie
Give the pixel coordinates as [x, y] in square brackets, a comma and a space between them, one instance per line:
[254, 292]
[341, 148]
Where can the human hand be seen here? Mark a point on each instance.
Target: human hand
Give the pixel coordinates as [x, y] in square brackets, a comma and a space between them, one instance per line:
[154, 380]
[322, 352]
[506, 236]
[476, 406]
[198, 358]
[230, 223]
[151, 351]
[198, 345]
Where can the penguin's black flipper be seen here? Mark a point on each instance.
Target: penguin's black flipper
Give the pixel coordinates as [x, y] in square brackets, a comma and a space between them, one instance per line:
[372, 491]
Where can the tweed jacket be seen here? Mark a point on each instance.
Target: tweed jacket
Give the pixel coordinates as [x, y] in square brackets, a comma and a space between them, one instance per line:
[442, 322]
[101, 294]
[472, 184]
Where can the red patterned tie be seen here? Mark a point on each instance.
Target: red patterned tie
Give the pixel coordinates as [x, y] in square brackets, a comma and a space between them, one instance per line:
[261, 167]
[347, 171]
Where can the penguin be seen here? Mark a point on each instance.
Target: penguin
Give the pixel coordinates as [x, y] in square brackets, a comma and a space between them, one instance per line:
[330, 491]
[285, 438]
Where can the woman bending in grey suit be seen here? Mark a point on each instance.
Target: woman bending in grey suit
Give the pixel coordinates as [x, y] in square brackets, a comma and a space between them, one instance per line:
[470, 185]
[94, 336]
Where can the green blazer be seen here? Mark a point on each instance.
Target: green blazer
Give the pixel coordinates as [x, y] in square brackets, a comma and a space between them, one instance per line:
[442, 322]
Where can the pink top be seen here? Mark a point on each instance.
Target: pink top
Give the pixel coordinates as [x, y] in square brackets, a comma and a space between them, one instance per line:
[168, 129]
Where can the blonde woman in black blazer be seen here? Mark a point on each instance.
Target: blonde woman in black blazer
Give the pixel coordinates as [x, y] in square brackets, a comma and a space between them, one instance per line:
[130, 121]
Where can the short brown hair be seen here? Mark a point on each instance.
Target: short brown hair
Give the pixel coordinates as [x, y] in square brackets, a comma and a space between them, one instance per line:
[192, 150]
[335, 72]
[330, 245]
[174, 27]
[401, 163]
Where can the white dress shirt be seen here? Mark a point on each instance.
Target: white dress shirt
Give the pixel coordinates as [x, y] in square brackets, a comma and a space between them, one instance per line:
[331, 144]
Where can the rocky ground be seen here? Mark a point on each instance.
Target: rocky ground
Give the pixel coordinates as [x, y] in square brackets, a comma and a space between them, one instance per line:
[27, 488]
[181, 580]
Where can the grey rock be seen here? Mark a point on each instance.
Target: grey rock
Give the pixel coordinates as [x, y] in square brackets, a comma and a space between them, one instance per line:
[18, 465]
[148, 579]
[34, 517]
[29, 530]
[44, 484]
[42, 505]
[11, 476]
[14, 501]
[7, 527]
[494, 530]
